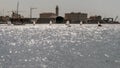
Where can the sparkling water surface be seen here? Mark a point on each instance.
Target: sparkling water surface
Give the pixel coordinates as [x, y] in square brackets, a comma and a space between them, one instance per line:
[59, 46]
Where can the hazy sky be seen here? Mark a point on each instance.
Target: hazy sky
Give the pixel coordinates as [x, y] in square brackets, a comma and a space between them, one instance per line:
[106, 8]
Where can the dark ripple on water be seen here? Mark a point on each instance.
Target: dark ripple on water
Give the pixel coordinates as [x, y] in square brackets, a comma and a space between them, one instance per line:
[58, 46]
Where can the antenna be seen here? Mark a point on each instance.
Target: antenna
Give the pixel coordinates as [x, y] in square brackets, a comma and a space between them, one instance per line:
[3, 12]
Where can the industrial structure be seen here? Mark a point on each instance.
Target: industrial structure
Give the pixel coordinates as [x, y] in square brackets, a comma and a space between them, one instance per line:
[95, 19]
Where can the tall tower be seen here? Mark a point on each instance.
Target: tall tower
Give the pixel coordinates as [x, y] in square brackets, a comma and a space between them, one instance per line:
[57, 10]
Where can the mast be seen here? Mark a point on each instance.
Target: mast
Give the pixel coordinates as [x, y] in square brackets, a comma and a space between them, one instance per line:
[3, 12]
[17, 7]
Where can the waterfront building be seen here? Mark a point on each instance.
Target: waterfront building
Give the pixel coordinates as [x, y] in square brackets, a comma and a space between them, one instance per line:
[76, 17]
[94, 19]
[50, 14]
[4, 19]
[45, 20]
[47, 15]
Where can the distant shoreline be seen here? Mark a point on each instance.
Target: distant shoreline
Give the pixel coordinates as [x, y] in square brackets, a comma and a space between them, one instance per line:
[55, 23]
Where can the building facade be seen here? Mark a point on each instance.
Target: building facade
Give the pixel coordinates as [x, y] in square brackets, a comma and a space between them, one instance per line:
[76, 17]
[50, 14]
[47, 15]
[94, 19]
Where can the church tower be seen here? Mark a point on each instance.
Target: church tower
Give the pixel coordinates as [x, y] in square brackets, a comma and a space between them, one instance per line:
[57, 10]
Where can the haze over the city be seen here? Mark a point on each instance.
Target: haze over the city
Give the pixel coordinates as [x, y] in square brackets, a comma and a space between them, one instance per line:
[106, 8]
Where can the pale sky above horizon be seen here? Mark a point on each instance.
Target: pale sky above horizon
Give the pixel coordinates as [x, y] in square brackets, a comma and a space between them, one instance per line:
[105, 8]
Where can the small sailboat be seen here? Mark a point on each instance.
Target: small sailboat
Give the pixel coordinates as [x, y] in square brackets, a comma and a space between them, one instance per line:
[34, 22]
[50, 23]
[8, 22]
[99, 24]
[68, 23]
[81, 23]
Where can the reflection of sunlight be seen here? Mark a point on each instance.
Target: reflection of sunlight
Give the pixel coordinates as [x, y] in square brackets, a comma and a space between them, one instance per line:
[58, 46]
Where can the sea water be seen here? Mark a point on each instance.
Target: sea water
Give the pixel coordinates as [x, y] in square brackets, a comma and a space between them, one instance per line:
[60, 46]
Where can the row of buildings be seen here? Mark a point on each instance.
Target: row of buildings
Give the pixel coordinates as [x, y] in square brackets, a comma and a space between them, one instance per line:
[72, 17]
[46, 17]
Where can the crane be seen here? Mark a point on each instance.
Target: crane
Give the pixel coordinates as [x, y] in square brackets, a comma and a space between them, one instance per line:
[116, 18]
